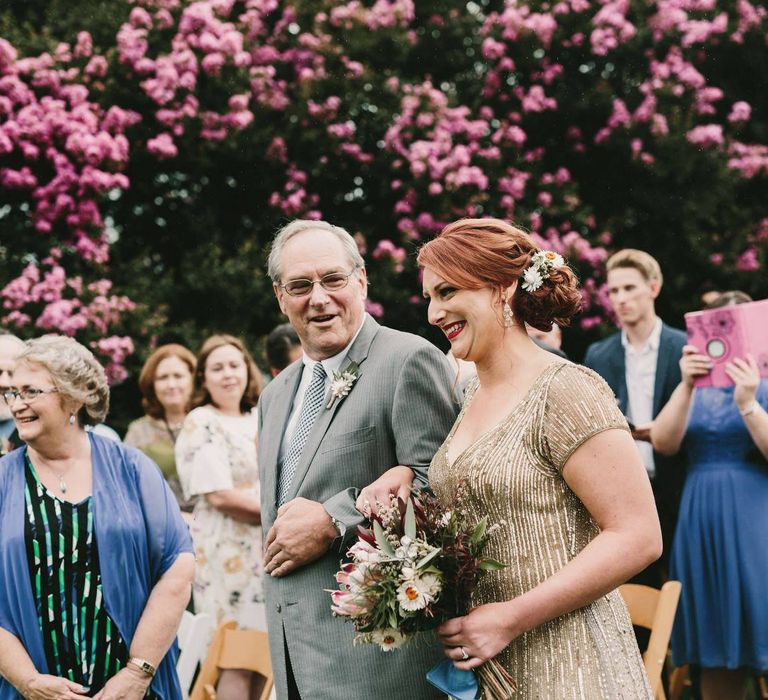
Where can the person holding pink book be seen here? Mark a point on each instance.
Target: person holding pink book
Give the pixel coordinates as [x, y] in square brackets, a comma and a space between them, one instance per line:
[718, 552]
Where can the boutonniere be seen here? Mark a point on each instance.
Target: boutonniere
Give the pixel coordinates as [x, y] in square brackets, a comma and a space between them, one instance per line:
[342, 382]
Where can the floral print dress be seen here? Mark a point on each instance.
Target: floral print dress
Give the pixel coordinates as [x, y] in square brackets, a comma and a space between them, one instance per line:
[215, 452]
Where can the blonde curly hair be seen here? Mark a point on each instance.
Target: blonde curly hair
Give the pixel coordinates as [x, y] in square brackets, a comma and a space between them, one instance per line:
[75, 372]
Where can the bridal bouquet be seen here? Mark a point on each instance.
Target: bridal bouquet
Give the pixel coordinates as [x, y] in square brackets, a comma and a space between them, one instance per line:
[416, 566]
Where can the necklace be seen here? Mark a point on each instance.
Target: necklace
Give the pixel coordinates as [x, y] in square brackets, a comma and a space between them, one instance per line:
[172, 432]
[62, 484]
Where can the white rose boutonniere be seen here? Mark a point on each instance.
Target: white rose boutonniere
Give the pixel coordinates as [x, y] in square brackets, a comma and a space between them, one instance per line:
[342, 382]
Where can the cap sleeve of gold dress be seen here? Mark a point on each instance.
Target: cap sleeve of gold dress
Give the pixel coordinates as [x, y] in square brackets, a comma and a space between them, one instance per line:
[512, 474]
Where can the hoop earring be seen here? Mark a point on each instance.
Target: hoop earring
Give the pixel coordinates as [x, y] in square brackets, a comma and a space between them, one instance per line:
[509, 317]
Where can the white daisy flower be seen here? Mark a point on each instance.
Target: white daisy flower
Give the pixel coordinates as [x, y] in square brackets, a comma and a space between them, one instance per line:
[388, 639]
[532, 279]
[418, 592]
[553, 259]
[410, 597]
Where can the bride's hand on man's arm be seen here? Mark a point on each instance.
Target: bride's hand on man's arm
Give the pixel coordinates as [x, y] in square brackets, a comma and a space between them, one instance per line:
[393, 482]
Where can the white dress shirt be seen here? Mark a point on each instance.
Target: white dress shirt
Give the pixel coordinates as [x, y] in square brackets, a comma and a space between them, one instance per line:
[641, 378]
[330, 365]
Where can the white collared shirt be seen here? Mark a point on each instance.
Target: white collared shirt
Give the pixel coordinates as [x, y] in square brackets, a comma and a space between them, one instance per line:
[641, 378]
[330, 365]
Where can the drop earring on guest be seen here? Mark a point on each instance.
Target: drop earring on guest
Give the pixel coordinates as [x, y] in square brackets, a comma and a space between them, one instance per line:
[72, 419]
[509, 317]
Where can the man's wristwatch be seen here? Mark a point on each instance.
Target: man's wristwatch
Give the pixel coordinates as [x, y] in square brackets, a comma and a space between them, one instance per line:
[142, 665]
[338, 526]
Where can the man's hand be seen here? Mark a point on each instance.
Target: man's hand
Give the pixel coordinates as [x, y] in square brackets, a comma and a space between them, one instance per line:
[303, 532]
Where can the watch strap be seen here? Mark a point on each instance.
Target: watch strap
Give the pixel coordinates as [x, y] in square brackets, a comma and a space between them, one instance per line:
[142, 665]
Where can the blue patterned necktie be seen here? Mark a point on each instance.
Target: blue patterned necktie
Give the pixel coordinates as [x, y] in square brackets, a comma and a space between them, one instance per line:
[313, 402]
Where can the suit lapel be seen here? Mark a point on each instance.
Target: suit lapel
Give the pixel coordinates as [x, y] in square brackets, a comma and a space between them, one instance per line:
[357, 353]
[662, 369]
[289, 379]
[619, 369]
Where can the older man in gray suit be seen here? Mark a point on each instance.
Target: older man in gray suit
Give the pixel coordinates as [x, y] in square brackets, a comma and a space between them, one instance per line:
[320, 444]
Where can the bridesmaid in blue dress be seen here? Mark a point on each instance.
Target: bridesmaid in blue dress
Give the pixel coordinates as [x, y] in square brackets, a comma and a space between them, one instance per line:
[719, 552]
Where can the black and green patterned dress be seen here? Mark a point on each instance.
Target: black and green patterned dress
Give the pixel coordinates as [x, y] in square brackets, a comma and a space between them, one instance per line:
[81, 641]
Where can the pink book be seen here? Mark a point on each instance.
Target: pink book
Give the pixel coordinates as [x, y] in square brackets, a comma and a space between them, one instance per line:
[729, 332]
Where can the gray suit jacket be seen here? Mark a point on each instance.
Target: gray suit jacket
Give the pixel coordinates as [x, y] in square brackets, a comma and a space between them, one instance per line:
[399, 411]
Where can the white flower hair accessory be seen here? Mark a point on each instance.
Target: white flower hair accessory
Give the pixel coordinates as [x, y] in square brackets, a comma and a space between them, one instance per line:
[542, 263]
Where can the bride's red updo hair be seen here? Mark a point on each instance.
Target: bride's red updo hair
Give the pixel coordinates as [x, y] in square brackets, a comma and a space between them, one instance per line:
[478, 253]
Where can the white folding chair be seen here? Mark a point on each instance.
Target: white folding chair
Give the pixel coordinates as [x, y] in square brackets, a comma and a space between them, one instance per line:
[194, 636]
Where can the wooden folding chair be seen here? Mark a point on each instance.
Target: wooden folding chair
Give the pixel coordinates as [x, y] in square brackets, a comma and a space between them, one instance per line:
[233, 648]
[655, 610]
[194, 636]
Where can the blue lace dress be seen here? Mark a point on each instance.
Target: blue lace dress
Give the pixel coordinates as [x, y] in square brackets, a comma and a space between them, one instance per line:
[720, 550]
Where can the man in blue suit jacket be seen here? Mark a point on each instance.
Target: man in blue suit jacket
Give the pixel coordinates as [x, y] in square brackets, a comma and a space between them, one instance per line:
[641, 365]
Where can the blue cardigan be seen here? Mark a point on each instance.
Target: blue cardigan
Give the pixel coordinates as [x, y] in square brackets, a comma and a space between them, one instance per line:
[139, 531]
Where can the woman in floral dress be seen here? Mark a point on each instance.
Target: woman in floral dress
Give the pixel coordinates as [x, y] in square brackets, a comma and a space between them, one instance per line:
[216, 461]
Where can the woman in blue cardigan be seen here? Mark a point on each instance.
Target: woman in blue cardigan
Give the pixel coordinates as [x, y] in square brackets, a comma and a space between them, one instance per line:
[96, 562]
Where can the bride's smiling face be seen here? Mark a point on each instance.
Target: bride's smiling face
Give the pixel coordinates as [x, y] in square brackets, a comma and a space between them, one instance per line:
[470, 318]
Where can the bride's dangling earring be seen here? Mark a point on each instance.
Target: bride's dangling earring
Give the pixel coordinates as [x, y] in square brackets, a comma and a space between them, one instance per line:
[509, 317]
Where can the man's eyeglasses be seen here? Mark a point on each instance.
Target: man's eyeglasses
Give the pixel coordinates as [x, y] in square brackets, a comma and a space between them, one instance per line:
[332, 282]
[26, 395]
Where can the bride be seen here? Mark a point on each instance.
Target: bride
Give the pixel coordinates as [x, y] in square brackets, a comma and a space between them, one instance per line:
[543, 450]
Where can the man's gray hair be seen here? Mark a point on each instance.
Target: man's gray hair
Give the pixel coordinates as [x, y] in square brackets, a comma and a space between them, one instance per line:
[298, 226]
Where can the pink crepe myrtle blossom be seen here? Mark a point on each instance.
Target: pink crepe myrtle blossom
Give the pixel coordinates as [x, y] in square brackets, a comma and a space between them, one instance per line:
[162, 146]
[740, 112]
[748, 261]
[374, 308]
[706, 135]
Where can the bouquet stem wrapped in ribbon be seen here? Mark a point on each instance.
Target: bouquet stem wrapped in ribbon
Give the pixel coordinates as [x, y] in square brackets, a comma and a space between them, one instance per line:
[416, 567]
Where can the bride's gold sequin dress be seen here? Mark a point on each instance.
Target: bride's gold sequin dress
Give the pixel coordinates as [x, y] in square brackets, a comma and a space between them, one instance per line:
[513, 475]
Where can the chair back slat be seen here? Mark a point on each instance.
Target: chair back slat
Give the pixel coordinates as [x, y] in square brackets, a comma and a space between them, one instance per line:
[233, 648]
[247, 649]
[655, 610]
[194, 636]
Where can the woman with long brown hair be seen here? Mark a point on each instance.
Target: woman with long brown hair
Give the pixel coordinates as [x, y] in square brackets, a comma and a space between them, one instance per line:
[166, 388]
[216, 461]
